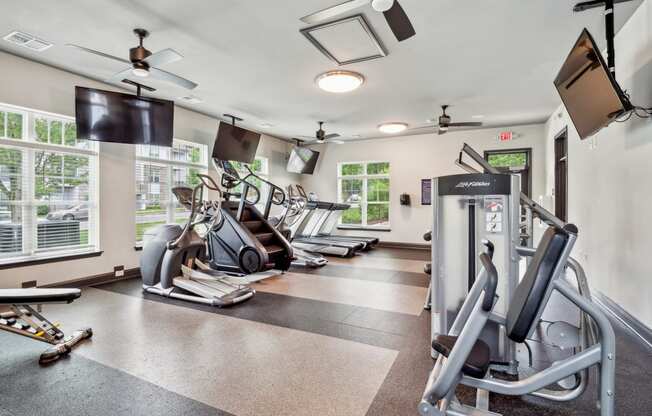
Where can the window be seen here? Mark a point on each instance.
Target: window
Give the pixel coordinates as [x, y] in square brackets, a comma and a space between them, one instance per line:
[48, 186]
[261, 168]
[365, 186]
[158, 170]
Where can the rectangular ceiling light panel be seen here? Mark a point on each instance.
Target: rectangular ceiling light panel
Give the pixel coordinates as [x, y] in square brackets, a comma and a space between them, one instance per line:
[346, 41]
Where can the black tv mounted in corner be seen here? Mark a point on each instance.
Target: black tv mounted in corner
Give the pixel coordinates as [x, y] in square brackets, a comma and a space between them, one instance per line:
[302, 160]
[588, 90]
[108, 116]
[236, 144]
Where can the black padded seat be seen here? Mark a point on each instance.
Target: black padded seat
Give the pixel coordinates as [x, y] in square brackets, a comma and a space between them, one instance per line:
[529, 294]
[37, 296]
[476, 364]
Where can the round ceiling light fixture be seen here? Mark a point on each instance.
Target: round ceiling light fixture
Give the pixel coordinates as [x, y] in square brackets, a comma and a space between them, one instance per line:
[392, 128]
[339, 81]
[382, 5]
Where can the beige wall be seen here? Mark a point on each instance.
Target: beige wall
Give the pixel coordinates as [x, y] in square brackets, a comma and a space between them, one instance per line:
[413, 158]
[609, 193]
[33, 85]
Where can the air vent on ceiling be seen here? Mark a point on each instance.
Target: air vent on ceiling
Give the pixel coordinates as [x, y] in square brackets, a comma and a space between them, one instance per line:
[191, 99]
[27, 41]
[346, 41]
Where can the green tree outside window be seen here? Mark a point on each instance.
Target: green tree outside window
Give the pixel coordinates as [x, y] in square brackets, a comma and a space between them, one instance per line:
[14, 126]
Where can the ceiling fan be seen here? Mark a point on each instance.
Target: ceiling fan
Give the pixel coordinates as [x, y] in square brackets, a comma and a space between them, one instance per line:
[320, 137]
[444, 122]
[143, 63]
[395, 16]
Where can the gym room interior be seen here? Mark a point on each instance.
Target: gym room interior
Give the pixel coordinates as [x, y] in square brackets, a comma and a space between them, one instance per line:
[325, 207]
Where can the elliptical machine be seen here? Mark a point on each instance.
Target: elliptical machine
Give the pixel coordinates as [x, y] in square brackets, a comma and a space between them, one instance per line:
[173, 262]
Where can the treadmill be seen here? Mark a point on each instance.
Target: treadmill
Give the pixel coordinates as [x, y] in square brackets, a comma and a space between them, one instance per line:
[303, 238]
[330, 222]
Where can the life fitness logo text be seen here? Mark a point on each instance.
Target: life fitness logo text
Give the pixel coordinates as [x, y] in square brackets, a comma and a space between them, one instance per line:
[475, 184]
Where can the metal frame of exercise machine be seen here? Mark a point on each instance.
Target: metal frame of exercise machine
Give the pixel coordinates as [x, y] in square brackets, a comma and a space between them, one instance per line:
[23, 319]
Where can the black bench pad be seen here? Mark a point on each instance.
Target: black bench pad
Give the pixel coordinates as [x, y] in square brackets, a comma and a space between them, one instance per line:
[37, 296]
[476, 364]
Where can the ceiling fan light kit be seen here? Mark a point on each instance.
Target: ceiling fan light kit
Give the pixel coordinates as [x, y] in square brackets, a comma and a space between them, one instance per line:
[382, 5]
[339, 81]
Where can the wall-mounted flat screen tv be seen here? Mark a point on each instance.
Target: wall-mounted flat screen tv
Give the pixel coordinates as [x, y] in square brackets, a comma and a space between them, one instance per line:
[302, 160]
[589, 92]
[235, 144]
[109, 116]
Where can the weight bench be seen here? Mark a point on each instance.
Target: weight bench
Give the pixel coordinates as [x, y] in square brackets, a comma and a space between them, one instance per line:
[464, 359]
[24, 320]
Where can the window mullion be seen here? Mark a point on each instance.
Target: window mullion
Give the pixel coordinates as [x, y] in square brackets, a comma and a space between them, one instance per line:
[363, 203]
[29, 219]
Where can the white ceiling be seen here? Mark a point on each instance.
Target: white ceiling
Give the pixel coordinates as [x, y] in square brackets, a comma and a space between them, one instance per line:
[493, 58]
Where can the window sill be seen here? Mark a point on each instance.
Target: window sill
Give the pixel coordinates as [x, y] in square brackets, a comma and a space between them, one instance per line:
[35, 261]
[362, 228]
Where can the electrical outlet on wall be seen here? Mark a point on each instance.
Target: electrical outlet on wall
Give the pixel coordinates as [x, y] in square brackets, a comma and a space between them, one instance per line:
[119, 271]
[28, 284]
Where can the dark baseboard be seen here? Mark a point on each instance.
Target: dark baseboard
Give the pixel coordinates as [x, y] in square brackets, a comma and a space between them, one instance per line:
[97, 279]
[637, 327]
[413, 246]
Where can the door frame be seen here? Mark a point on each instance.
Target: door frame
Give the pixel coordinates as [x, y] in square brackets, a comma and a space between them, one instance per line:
[528, 153]
[562, 135]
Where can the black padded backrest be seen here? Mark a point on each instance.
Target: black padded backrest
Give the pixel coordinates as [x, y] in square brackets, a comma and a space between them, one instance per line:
[530, 292]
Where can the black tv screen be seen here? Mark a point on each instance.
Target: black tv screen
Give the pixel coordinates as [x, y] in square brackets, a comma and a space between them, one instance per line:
[588, 90]
[235, 143]
[109, 116]
[302, 160]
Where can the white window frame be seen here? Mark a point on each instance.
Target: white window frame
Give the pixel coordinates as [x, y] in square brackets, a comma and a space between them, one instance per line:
[29, 218]
[165, 161]
[363, 198]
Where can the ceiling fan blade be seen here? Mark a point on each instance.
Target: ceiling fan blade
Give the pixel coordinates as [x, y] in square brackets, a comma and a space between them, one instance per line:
[105, 55]
[175, 79]
[163, 57]
[399, 22]
[429, 126]
[331, 136]
[119, 76]
[466, 124]
[333, 11]
[337, 141]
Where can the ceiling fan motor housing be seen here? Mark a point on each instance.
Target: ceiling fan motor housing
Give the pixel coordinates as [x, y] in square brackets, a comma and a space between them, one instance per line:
[138, 54]
[444, 120]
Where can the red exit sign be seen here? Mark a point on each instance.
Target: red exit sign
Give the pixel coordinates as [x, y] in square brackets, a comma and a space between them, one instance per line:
[506, 136]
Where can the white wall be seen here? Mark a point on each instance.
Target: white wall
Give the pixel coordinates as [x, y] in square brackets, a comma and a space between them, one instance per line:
[413, 158]
[609, 181]
[40, 87]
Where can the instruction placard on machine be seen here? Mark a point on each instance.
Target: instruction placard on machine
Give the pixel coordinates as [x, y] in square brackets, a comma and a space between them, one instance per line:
[494, 214]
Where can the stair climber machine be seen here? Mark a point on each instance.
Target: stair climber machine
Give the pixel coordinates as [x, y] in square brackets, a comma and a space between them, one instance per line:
[476, 237]
[309, 219]
[294, 207]
[175, 262]
[245, 242]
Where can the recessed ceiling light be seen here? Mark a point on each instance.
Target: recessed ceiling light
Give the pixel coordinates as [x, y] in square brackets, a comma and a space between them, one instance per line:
[191, 99]
[392, 128]
[339, 81]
